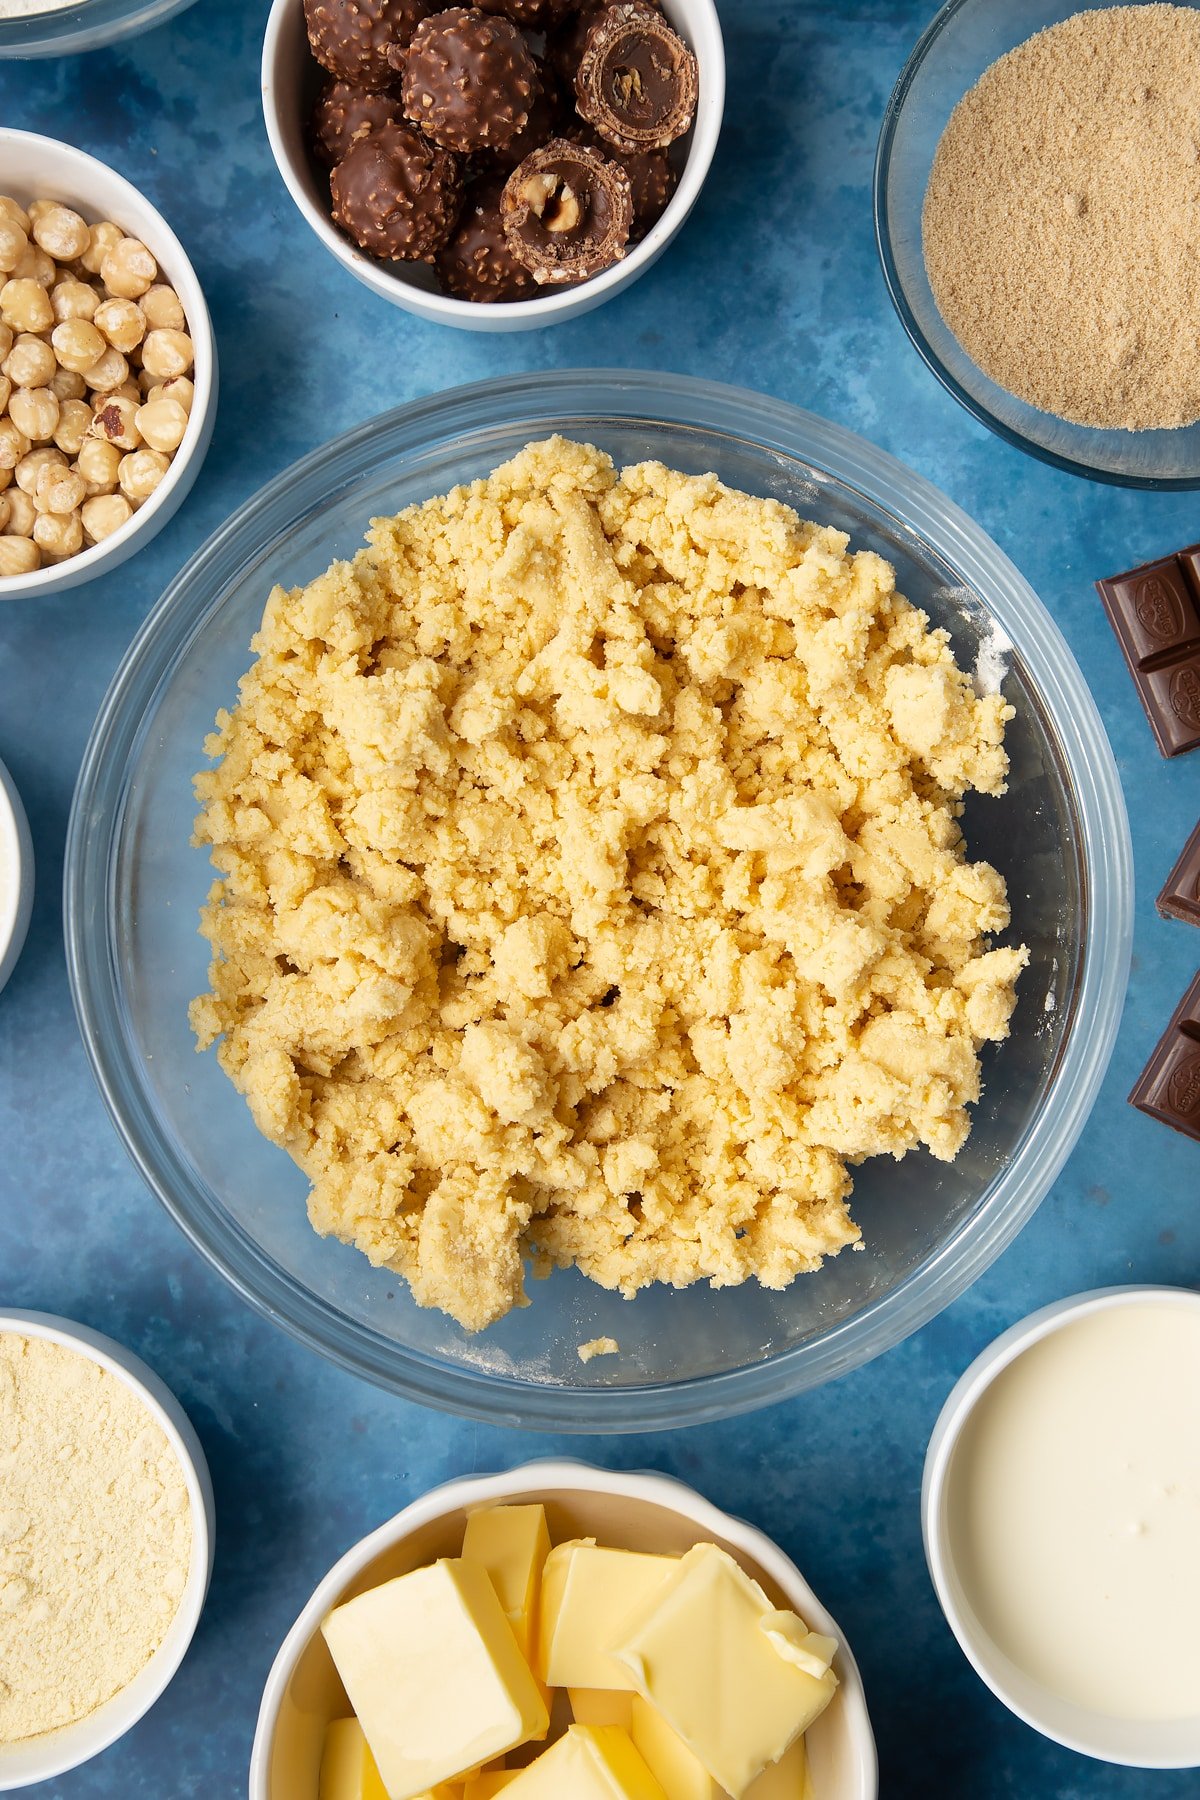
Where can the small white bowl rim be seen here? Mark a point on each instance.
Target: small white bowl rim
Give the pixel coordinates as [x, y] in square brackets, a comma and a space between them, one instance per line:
[960, 1403]
[546, 309]
[74, 1744]
[17, 844]
[564, 1474]
[90, 562]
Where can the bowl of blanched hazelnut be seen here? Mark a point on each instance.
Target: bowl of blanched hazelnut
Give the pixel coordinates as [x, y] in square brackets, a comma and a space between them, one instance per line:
[108, 381]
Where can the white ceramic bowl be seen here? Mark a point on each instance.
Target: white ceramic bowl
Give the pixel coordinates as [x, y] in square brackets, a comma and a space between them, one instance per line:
[1152, 1744]
[42, 168]
[643, 1512]
[16, 875]
[290, 82]
[40, 1759]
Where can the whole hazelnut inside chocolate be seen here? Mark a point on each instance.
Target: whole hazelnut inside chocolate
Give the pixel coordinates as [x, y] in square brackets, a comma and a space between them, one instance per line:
[469, 80]
[567, 212]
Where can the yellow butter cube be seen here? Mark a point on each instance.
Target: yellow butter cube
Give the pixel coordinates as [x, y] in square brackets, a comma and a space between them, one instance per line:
[348, 1769]
[601, 1706]
[701, 1656]
[488, 1783]
[434, 1674]
[589, 1594]
[680, 1774]
[590, 1762]
[511, 1543]
[787, 1779]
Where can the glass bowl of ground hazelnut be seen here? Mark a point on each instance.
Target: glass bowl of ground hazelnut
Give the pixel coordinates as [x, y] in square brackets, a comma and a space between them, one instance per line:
[1033, 197]
[95, 455]
[134, 885]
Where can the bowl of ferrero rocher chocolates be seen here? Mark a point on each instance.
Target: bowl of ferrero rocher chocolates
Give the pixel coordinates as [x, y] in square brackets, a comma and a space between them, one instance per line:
[496, 166]
[107, 368]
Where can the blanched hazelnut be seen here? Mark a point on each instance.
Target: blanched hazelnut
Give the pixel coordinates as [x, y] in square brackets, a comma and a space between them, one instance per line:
[99, 463]
[107, 372]
[34, 265]
[58, 230]
[162, 423]
[19, 556]
[78, 344]
[25, 305]
[163, 309]
[12, 242]
[10, 210]
[166, 353]
[58, 535]
[122, 323]
[128, 269]
[177, 388]
[73, 299]
[141, 472]
[34, 411]
[67, 384]
[30, 362]
[58, 489]
[32, 464]
[13, 445]
[103, 515]
[115, 421]
[21, 512]
[103, 237]
[74, 418]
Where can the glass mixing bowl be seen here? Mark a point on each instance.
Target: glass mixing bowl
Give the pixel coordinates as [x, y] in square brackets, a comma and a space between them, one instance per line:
[133, 887]
[962, 41]
[85, 25]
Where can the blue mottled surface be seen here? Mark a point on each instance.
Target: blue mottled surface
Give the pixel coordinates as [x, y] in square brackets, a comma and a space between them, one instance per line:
[773, 284]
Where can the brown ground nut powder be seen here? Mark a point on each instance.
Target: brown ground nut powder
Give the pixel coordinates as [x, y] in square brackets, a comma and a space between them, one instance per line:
[1062, 218]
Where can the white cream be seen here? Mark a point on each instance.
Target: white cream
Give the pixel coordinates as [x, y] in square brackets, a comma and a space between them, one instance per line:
[1073, 1506]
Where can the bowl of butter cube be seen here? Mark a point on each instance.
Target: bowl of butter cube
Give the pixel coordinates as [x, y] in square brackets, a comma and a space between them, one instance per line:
[560, 1630]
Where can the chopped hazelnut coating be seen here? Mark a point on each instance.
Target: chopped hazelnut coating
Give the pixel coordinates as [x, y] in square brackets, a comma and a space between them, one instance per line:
[591, 888]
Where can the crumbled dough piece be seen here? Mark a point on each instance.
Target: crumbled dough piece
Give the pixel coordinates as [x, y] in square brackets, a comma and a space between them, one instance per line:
[601, 1346]
[591, 888]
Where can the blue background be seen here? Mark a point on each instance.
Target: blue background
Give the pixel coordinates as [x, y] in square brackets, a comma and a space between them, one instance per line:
[773, 284]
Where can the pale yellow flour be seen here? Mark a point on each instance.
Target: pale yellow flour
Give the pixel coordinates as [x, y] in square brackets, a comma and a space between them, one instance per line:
[95, 1536]
[592, 890]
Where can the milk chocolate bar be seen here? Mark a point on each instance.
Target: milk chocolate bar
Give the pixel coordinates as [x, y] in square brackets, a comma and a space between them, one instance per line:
[1155, 612]
[1180, 897]
[1169, 1086]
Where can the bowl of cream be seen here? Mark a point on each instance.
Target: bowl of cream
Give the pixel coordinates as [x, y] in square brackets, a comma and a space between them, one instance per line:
[1061, 1516]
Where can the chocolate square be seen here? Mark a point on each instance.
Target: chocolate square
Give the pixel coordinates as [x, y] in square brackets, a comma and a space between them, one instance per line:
[1168, 1088]
[1155, 612]
[1180, 896]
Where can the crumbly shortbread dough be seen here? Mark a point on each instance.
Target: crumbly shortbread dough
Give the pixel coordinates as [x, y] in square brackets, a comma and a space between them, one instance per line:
[95, 1536]
[591, 884]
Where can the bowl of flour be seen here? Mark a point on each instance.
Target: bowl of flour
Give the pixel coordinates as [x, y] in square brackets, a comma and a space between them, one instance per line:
[106, 1517]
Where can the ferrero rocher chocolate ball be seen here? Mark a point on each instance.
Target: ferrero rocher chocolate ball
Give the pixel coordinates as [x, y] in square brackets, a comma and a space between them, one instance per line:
[469, 80]
[351, 38]
[396, 194]
[477, 263]
[343, 114]
[531, 15]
